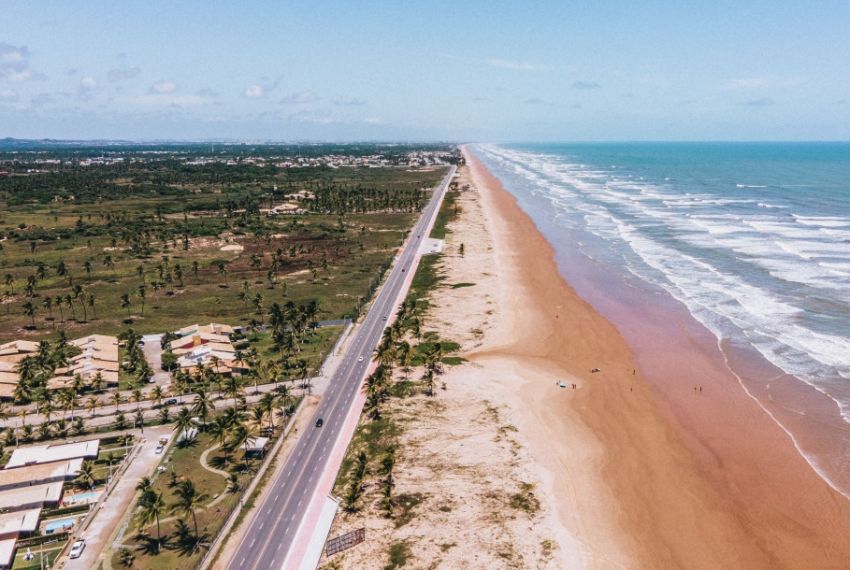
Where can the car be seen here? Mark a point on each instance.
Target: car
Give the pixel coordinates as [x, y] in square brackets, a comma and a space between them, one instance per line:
[359, 359]
[385, 318]
[170, 401]
[402, 269]
[562, 384]
[77, 548]
[159, 449]
[320, 422]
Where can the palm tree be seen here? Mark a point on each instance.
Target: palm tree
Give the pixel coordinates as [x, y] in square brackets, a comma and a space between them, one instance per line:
[98, 382]
[183, 421]
[86, 478]
[30, 310]
[157, 395]
[116, 399]
[266, 405]
[188, 500]
[125, 304]
[151, 506]
[202, 405]
[91, 404]
[142, 296]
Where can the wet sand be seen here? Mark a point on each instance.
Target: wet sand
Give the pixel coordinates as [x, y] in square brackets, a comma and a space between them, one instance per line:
[646, 471]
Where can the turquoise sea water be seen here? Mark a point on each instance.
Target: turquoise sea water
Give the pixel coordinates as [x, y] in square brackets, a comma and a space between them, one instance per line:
[753, 238]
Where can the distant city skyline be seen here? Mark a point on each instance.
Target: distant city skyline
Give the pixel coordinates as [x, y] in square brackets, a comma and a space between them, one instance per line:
[459, 71]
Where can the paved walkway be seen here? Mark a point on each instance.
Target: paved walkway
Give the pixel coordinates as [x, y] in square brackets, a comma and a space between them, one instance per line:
[112, 510]
[153, 354]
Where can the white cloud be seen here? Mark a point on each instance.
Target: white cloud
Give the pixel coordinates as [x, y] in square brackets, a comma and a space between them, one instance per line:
[254, 91]
[88, 83]
[515, 65]
[300, 98]
[15, 65]
[163, 87]
[8, 95]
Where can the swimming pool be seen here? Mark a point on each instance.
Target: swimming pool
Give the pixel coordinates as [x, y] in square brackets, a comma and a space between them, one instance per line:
[82, 498]
[60, 525]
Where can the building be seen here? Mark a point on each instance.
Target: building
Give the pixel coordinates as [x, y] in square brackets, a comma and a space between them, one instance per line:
[11, 354]
[35, 496]
[98, 355]
[38, 454]
[12, 526]
[207, 345]
[39, 473]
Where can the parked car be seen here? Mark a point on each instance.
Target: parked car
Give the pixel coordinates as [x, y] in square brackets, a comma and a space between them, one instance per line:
[320, 422]
[159, 449]
[77, 548]
[359, 359]
[170, 401]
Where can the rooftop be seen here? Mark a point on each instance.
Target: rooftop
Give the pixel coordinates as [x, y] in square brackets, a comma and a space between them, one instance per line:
[51, 453]
[26, 497]
[40, 473]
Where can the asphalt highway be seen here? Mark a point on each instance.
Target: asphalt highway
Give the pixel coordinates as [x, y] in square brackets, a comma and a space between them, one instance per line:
[273, 528]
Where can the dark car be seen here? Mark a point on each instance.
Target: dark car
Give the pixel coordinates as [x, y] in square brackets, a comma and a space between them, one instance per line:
[319, 422]
[170, 401]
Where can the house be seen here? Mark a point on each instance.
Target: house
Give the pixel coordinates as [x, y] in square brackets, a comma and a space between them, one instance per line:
[11, 354]
[36, 496]
[99, 355]
[12, 526]
[208, 345]
[40, 473]
[37, 454]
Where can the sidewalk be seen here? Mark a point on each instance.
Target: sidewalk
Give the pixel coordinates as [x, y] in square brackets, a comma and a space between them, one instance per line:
[119, 502]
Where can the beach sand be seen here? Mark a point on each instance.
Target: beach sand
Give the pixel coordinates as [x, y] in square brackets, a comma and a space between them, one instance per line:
[695, 480]
[632, 468]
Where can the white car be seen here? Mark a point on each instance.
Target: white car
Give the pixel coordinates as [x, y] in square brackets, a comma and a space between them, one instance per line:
[77, 548]
[359, 359]
[159, 449]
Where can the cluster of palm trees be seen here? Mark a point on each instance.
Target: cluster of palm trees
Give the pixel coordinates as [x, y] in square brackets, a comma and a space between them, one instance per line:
[338, 199]
[36, 369]
[152, 506]
[76, 297]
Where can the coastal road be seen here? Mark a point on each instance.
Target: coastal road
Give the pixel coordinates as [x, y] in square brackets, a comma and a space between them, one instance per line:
[276, 522]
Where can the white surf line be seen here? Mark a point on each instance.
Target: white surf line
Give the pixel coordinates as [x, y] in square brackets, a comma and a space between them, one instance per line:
[793, 439]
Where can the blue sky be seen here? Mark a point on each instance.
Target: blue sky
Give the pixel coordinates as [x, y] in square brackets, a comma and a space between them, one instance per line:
[466, 71]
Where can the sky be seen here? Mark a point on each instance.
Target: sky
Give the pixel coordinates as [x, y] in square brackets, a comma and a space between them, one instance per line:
[426, 71]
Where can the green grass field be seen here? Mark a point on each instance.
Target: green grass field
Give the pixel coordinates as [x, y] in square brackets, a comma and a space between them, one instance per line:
[328, 258]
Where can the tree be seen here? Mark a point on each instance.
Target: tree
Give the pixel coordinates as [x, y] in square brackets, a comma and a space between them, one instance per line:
[91, 404]
[30, 310]
[183, 421]
[202, 405]
[151, 507]
[125, 304]
[142, 296]
[86, 478]
[157, 395]
[188, 500]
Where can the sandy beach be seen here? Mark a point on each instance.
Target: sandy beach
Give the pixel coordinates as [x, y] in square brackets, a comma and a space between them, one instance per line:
[630, 469]
[695, 483]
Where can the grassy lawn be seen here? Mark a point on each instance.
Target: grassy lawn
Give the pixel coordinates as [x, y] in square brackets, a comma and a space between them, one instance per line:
[49, 552]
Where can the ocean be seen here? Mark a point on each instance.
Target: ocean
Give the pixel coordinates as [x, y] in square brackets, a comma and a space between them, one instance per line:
[752, 239]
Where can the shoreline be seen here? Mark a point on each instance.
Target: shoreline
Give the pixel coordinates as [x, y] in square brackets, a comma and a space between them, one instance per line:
[687, 491]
